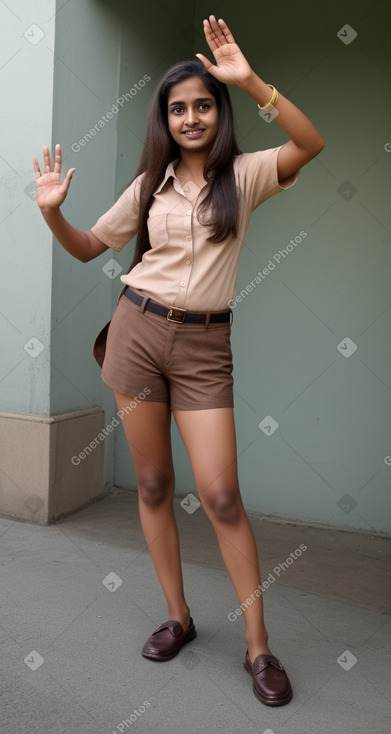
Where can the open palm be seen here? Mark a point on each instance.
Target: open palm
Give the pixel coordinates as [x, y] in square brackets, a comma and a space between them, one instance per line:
[50, 192]
[231, 65]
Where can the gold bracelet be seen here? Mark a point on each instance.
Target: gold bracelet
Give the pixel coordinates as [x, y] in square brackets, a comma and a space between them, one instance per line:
[273, 99]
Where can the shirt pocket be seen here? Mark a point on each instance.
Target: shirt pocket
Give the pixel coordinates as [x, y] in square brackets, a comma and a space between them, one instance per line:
[157, 225]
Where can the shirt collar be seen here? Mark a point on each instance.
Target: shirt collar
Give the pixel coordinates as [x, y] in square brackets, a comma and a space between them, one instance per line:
[170, 171]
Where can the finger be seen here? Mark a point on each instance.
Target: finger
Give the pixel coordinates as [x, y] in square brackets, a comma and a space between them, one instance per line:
[57, 159]
[67, 180]
[210, 36]
[69, 175]
[227, 33]
[46, 158]
[217, 30]
[37, 170]
[208, 65]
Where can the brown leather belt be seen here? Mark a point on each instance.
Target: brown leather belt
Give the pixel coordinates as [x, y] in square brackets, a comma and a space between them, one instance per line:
[178, 315]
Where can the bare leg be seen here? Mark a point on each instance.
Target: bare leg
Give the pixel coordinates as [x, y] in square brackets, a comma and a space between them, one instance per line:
[210, 439]
[147, 430]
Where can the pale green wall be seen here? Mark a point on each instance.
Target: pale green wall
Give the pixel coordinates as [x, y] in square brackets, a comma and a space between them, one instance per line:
[57, 89]
[26, 91]
[85, 89]
[333, 412]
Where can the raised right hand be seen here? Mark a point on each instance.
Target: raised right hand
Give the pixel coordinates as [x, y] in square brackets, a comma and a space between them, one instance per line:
[50, 192]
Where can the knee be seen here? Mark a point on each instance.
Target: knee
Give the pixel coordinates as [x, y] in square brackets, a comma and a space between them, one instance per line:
[226, 506]
[154, 489]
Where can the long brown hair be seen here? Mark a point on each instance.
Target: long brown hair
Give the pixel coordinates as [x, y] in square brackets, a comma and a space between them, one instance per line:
[160, 149]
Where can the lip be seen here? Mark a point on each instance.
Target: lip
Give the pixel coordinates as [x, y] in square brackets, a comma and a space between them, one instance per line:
[194, 133]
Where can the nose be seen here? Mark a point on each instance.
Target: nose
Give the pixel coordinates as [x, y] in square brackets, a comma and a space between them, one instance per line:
[191, 116]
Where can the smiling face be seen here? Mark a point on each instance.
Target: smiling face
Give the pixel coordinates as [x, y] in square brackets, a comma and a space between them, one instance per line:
[192, 115]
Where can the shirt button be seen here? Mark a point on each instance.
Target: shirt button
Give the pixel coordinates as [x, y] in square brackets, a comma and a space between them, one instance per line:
[187, 262]
[188, 237]
[189, 212]
[182, 284]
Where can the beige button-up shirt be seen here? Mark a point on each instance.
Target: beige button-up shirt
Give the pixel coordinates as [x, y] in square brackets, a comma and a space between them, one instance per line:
[182, 268]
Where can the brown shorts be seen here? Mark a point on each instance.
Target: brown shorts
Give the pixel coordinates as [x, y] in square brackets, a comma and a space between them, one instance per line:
[185, 365]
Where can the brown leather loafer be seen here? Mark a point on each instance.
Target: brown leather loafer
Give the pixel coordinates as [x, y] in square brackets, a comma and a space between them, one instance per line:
[167, 640]
[271, 683]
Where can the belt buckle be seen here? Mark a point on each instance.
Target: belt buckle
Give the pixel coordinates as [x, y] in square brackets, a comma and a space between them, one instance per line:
[176, 314]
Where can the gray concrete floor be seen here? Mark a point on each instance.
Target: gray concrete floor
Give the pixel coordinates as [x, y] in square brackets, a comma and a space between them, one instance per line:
[80, 597]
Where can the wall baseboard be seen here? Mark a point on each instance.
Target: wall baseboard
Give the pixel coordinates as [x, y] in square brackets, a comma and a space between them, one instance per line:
[50, 465]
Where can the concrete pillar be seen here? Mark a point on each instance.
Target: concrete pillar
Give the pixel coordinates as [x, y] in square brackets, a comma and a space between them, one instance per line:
[58, 80]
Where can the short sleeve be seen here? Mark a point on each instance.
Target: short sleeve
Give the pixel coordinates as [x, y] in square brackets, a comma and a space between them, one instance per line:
[257, 176]
[119, 224]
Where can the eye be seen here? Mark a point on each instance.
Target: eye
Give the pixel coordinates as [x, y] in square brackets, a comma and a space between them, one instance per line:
[204, 105]
[174, 109]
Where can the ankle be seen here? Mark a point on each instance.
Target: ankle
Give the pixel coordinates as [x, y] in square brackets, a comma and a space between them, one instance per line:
[258, 645]
[261, 637]
[180, 614]
[258, 648]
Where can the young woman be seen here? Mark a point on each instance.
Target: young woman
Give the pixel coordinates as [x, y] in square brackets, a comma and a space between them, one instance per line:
[169, 336]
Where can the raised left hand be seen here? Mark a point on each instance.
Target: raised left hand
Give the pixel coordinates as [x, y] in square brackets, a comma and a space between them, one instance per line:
[231, 66]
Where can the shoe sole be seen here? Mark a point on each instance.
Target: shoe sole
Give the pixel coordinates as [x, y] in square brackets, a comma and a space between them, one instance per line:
[264, 699]
[162, 658]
